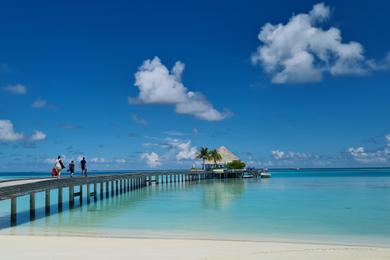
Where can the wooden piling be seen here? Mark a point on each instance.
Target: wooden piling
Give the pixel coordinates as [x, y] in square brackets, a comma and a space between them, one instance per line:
[94, 191]
[32, 206]
[13, 211]
[88, 193]
[81, 195]
[71, 196]
[47, 202]
[59, 199]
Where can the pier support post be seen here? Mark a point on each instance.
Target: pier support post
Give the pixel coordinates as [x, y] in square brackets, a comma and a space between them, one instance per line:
[47, 202]
[128, 184]
[88, 193]
[71, 196]
[156, 179]
[13, 211]
[107, 191]
[32, 206]
[94, 191]
[112, 188]
[101, 191]
[117, 188]
[59, 199]
[81, 195]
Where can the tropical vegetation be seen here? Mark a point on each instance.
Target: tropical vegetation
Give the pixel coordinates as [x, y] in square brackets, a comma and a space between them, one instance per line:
[204, 155]
[236, 164]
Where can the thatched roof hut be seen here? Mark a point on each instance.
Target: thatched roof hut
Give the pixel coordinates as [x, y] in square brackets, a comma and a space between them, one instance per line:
[227, 157]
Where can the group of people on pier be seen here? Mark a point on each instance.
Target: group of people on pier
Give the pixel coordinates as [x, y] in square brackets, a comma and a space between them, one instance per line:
[59, 166]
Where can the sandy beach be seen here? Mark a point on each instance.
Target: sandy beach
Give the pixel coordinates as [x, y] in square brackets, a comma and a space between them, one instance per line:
[51, 247]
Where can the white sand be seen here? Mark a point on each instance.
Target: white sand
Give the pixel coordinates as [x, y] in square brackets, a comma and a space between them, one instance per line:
[94, 248]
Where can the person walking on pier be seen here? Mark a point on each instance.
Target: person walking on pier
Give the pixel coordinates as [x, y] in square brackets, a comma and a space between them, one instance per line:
[71, 168]
[83, 165]
[59, 165]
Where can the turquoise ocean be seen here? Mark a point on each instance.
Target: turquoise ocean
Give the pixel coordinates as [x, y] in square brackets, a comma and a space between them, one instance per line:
[337, 206]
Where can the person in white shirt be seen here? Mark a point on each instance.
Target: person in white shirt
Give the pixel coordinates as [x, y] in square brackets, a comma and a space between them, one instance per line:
[58, 165]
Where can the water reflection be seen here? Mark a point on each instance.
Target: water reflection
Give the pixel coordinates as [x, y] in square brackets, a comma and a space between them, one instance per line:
[219, 194]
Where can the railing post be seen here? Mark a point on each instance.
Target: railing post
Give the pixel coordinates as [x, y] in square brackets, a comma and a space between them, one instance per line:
[13, 211]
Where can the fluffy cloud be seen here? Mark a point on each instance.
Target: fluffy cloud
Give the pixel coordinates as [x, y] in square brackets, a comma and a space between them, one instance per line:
[282, 155]
[361, 155]
[152, 159]
[158, 85]
[39, 103]
[7, 132]
[38, 136]
[300, 51]
[277, 154]
[17, 89]
[186, 152]
[181, 150]
[378, 156]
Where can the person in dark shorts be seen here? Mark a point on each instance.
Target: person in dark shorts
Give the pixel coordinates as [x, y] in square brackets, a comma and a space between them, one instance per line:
[83, 165]
[71, 168]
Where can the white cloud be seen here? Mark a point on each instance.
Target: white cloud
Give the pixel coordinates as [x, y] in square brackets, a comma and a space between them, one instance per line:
[98, 160]
[152, 159]
[7, 132]
[17, 89]
[282, 155]
[38, 136]
[277, 154]
[181, 150]
[361, 155]
[158, 85]
[39, 103]
[186, 152]
[121, 160]
[387, 138]
[300, 51]
[138, 119]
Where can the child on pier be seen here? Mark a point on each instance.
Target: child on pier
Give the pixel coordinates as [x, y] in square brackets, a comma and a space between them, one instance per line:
[71, 168]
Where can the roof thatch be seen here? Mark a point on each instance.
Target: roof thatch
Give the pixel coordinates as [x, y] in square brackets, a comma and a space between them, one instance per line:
[227, 156]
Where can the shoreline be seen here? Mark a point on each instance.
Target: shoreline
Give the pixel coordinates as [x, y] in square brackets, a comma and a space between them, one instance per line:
[165, 235]
[63, 247]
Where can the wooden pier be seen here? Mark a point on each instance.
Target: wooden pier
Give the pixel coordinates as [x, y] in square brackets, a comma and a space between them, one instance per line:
[109, 186]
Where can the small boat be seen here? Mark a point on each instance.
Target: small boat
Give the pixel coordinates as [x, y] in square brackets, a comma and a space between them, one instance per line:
[248, 175]
[265, 174]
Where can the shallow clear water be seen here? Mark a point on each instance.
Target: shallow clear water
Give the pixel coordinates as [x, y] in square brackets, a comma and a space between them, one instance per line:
[333, 206]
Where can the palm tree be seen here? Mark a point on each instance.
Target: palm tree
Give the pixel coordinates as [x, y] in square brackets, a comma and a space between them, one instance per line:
[215, 155]
[203, 154]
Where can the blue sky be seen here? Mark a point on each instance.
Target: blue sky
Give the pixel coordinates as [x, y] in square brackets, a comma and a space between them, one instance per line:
[143, 84]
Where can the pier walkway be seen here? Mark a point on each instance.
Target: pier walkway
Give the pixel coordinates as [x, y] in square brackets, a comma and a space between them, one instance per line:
[97, 187]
